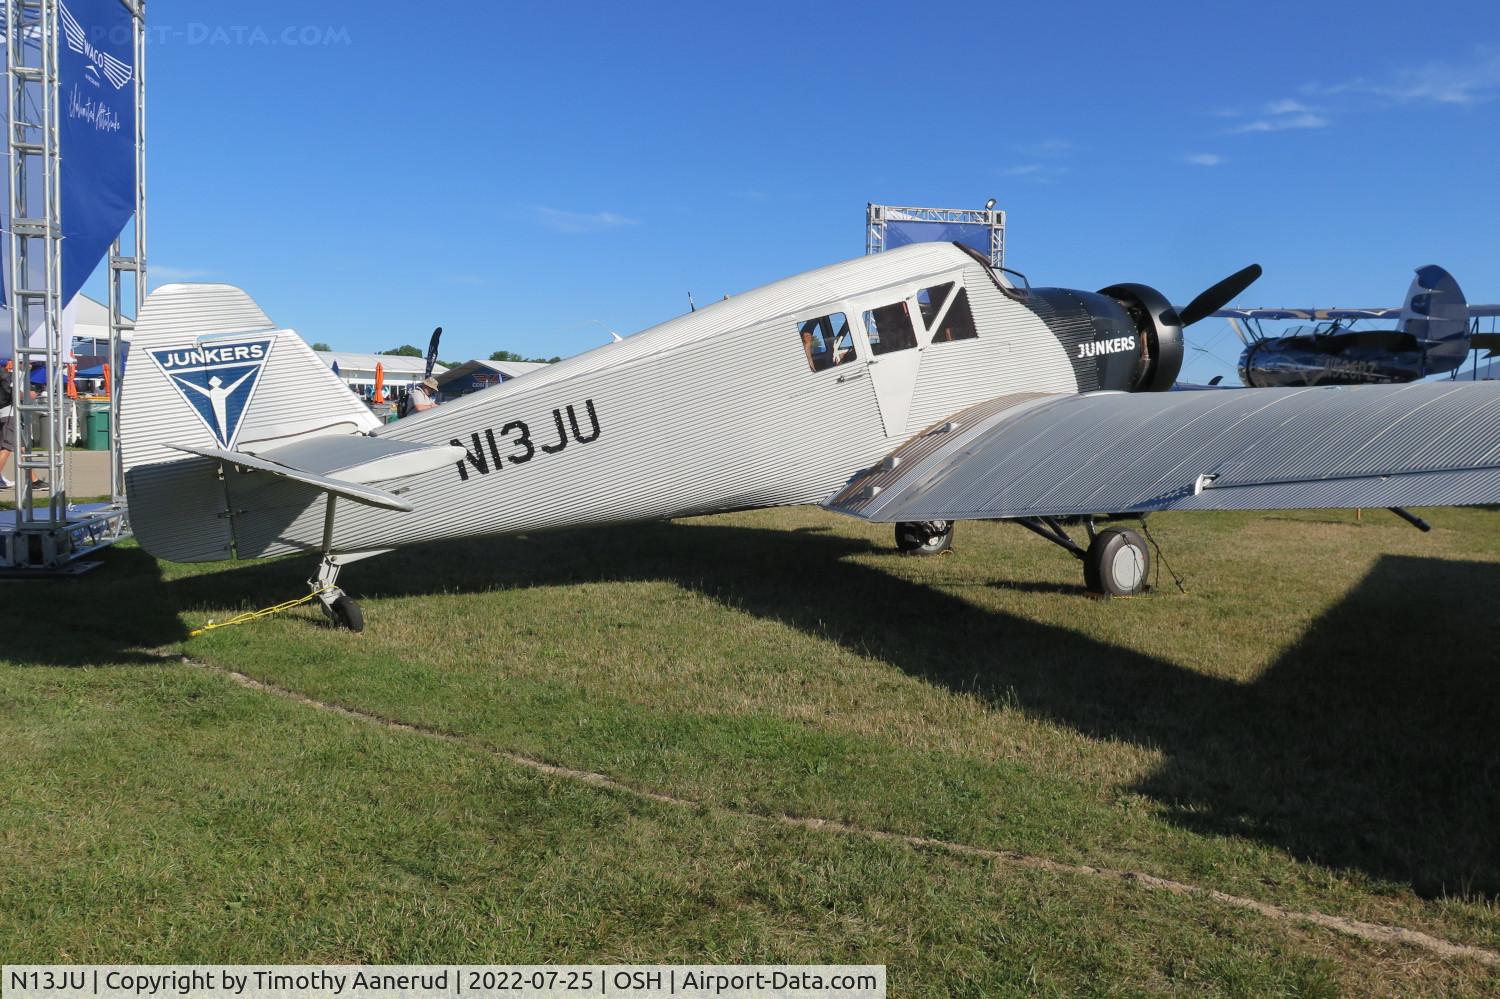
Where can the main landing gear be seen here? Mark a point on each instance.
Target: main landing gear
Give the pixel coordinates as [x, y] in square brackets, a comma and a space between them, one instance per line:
[926, 537]
[338, 605]
[1117, 562]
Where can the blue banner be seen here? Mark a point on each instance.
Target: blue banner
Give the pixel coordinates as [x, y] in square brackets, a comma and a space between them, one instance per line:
[903, 233]
[96, 78]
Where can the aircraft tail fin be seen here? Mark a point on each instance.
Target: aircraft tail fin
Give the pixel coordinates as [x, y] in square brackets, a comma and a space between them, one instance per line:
[208, 368]
[1437, 315]
[211, 383]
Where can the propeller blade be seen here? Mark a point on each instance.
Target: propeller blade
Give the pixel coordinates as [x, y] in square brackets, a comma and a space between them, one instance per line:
[1215, 298]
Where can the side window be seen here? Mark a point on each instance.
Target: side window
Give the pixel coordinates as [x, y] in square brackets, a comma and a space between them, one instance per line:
[889, 328]
[827, 341]
[931, 301]
[957, 323]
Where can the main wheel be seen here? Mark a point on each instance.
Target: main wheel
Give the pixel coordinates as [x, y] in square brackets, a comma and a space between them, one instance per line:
[1118, 563]
[927, 537]
[346, 614]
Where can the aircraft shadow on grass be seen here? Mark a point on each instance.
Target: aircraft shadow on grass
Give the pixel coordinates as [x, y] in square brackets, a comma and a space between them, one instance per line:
[1372, 744]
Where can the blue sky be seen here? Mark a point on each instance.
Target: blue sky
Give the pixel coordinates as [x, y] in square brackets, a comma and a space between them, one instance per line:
[530, 176]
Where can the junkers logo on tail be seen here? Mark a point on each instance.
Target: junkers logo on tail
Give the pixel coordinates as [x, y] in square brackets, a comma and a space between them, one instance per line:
[217, 380]
[1097, 348]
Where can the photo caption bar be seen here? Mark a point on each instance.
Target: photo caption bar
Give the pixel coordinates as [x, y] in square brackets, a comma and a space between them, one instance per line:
[436, 981]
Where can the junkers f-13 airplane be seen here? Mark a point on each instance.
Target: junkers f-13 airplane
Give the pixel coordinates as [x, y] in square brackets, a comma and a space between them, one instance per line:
[1433, 336]
[917, 387]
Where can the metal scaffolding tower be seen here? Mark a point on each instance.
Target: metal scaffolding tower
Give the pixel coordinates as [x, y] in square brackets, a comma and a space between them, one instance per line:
[132, 264]
[34, 280]
[943, 222]
[44, 534]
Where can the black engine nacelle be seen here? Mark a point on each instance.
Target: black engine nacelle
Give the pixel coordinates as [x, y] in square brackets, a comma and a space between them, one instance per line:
[1158, 334]
[1124, 338]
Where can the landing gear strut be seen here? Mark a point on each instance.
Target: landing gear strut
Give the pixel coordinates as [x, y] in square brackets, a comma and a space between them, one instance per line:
[337, 604]
[926, 537]
[1117, 562]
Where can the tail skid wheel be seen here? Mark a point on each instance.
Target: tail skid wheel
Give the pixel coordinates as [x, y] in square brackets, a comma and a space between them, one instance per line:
[928, 537]
[1117, 564]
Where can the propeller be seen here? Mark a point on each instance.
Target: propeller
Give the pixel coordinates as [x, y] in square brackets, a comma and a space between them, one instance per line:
[1214, 298]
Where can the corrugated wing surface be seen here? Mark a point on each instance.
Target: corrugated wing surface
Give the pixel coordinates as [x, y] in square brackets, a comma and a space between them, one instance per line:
[1425, 444]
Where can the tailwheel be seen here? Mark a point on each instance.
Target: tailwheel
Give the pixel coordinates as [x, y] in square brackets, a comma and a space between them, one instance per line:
[1117, 563]
[926, 537]
[345, 613]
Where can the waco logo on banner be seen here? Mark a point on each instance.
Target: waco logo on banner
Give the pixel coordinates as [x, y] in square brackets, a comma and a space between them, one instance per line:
[96, 73]
[217, 380]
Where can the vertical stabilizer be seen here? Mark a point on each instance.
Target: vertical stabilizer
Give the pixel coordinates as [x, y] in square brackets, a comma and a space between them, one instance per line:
[1437, 314]
[208, 368]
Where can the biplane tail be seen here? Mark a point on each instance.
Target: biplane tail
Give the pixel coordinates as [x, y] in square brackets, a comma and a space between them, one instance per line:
[232, 428]
[1436, 315]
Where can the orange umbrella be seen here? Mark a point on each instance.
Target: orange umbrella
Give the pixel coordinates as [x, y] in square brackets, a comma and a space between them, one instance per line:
[106, 380]
[379, 383]
[72, 384]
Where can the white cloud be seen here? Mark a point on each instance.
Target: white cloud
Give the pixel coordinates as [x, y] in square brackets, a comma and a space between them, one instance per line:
[1205, 159]
[578, 222]
[1047, 149]
[1463, 83]
[1041, 173]
[1281, 123]
[1289, 106]
[165, 272]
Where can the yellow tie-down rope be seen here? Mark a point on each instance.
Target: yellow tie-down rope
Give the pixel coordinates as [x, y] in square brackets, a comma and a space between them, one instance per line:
[256, 615]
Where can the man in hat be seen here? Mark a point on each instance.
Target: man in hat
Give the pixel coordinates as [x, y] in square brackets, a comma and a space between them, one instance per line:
[424, 395]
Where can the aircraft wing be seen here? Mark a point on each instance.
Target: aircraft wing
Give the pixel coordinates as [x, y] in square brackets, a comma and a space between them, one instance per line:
[1422, 444]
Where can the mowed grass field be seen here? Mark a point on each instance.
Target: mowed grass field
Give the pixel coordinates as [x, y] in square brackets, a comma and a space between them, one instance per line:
[1314, 724]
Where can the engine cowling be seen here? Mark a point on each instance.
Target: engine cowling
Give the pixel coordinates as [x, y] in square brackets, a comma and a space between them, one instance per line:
[1159, 334]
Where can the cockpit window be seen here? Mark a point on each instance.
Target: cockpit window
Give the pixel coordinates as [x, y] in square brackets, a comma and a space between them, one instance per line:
[957, 323]
[889, 328]
[827, 341]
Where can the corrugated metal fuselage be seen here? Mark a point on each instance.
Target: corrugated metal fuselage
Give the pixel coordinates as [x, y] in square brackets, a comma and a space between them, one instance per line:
[729, 421]
[716, 410]
[713, 411]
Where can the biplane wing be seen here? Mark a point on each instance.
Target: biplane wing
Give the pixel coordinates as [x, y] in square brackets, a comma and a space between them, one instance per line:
[1058, 455]
[1312, 313]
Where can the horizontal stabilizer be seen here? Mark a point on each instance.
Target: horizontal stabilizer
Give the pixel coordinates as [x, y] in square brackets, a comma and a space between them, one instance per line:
[1486, 341]
[359, 468]
[357, 458]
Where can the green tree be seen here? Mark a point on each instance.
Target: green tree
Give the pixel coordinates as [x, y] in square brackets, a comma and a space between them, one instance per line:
[320, 345]
[405, 350]
[510, 355]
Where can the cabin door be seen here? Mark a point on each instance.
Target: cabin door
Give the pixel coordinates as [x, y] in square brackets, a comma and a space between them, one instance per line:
[895, 356]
